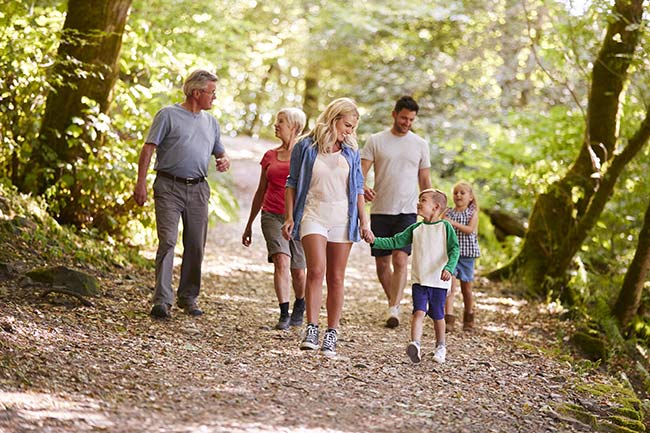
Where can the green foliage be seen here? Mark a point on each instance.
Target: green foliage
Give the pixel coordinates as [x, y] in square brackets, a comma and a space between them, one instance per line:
[26, 229]
[27, 52]
[502, 94]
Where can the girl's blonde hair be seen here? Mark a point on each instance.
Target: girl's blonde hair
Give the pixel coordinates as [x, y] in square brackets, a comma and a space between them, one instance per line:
[473, 204]
[295, 117]
[324, 133]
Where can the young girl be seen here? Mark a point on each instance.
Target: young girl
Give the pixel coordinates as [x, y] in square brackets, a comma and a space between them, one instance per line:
[464, 218]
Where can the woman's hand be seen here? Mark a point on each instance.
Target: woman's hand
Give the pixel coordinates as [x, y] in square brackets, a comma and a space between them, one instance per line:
[247, 237]
[287, 228]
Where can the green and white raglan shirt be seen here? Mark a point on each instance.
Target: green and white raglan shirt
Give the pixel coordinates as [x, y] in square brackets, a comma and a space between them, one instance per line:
[435, 247]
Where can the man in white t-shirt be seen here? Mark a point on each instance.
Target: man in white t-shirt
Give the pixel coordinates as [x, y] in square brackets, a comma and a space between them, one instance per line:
[401, 164]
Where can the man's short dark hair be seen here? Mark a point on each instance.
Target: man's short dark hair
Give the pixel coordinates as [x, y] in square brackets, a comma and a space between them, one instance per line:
[406, 102]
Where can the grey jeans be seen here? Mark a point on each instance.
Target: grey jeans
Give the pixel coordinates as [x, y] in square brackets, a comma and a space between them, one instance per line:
[175, 201]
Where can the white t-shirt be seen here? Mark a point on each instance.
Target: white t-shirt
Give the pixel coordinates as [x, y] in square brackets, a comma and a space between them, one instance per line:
[327, 199]
[397, 161]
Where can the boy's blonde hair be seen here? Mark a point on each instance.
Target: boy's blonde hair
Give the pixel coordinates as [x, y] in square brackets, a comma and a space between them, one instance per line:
[437, 195]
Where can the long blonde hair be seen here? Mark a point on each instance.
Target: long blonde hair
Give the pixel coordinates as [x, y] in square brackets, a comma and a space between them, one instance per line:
[473, 204]
[324, 133]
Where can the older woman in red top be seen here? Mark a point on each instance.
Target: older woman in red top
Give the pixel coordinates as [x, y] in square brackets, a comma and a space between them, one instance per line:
[287, 256]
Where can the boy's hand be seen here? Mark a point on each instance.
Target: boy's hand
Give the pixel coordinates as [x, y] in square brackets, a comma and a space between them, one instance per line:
[367, 235]
[445, 275]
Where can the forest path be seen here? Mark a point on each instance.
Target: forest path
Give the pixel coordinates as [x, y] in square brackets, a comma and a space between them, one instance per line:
[113, 369]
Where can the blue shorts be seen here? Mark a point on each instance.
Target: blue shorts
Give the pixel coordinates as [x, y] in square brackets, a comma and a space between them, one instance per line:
[465, 269]
[389, 225]
[430, 300]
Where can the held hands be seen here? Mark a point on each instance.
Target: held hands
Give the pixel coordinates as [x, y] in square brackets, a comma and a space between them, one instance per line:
[445, 275]
[223, 163]
[367, 234]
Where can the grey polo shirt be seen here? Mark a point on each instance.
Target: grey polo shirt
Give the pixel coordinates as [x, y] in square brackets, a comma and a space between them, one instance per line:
[184, 141]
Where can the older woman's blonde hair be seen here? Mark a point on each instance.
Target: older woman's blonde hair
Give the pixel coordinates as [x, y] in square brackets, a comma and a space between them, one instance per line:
[295, 117]
[324, 133]
[198, 80]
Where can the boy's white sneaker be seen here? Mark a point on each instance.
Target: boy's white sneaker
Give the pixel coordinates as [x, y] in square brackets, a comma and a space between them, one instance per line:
[413, 351]
[440, 354]
[393, 317]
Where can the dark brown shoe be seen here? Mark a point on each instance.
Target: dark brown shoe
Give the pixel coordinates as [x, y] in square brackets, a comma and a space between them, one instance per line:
[468, 321]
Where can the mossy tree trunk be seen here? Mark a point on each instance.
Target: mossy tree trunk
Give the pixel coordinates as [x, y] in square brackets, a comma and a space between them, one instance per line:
[87, 67]
[563, 215]
[629, 298]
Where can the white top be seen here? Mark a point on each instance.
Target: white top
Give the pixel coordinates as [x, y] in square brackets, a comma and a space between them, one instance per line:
[329, 179]
[397, 162]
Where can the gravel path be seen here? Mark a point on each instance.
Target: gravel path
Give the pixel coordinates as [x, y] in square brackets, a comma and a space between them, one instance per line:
[68, 368]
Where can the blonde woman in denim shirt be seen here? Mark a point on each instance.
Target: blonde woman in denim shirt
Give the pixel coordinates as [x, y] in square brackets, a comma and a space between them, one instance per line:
[324, 207]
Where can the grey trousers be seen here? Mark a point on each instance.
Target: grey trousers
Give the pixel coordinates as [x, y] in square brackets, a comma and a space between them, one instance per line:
[175, 201]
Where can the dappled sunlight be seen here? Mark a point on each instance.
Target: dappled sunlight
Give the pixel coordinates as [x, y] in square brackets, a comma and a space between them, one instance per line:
[34, 332]
[225, 267]
[237, 298]
[40, 408]
[241, 427]
[501, 329]
[500, 304]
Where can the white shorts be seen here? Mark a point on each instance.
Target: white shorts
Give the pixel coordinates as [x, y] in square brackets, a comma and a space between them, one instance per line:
[329, 220]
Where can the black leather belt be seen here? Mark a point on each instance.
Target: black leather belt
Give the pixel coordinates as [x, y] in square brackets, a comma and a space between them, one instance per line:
[191, 181]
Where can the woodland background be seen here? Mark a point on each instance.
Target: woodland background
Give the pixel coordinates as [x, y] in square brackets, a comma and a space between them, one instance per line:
[541, 105]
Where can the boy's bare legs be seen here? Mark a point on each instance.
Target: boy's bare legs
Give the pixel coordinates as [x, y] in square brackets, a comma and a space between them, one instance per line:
[439, 327]
[441, 349]
[417, 323]
[413, 349]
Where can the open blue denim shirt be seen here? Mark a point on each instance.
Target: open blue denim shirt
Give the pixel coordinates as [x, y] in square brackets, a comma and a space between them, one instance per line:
[303, 157]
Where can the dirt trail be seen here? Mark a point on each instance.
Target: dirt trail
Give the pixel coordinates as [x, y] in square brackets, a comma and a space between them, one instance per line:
[113, 369]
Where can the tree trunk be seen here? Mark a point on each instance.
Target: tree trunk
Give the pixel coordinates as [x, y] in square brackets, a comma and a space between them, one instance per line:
[310, 106]
[629, 298]
[505, 223]
[87, 67]
[563, 215]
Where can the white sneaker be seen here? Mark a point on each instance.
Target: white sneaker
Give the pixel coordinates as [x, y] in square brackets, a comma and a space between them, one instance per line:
[393, 317]
[413, 351]
[440, 354]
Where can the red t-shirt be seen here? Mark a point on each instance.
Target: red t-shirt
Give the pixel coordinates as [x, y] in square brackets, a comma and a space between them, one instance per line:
[276, 177]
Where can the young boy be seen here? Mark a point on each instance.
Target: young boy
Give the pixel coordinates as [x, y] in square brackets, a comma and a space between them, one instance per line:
[435, 254]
